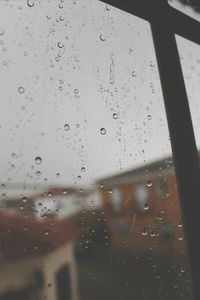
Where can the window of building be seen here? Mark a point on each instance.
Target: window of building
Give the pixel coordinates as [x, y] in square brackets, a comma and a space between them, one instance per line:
[63, 283]
[162, 188]
[116, 200]
[141, 197]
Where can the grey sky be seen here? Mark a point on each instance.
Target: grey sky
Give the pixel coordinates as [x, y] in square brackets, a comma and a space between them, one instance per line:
[78, 64]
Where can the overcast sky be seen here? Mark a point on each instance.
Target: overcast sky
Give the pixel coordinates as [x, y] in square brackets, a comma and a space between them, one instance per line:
[85, 65]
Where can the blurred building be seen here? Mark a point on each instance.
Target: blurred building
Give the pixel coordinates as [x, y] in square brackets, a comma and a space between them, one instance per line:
[36, 258]
[142, 208]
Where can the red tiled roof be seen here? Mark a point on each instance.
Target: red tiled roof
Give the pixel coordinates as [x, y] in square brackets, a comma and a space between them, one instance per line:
[20, 236]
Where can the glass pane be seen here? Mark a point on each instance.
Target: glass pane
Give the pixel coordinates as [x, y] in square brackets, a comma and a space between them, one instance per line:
[190, 62]
[88, 206]
[188, 7]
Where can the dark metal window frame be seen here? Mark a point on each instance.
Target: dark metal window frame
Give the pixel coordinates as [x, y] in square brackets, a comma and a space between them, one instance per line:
[165, 22]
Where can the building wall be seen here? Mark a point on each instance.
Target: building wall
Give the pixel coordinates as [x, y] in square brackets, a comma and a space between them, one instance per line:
[20, 274]
[161, 216]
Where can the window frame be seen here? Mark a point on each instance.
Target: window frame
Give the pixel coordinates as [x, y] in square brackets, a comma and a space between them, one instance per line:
[165, 22]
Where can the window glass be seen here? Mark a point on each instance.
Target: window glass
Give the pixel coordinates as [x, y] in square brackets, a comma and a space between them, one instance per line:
[82, 126]
[190, 62]
[188, 7]
[116, 200]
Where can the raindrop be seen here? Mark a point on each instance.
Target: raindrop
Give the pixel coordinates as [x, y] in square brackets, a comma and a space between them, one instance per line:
[102, 38]
[110, 191]
[76, 91]
[133, 73]
[103, 131]
[2, 31]
[60, 45]
[21, 207]
[30, 3]
[112, 70]
[21, 90]
[61, 81]
[153, 233]
[79, 177]
[38, 173]
[130, 49]
[149, 183]
[107, 7]
[57, 174]
[60, 6]
[145, 231]
[149, 117]
[83, 169]
[38, 160]
[180, 224]
[24, 199]
[115, 116]
[66, 127]
[146, 206]
[151, 64]
[46, 233]
[180, 237]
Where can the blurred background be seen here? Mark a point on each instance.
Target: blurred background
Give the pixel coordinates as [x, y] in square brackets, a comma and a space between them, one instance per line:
[89, 207]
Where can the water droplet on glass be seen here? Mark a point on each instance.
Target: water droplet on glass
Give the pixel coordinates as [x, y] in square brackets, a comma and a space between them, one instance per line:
[149, 117]
[152, 233]
[60, 6]
[180, 225]
[76, 91]
[30, 3]
[38, 160]
[24, 199]
[115, 116]
[2, 31]
[103, 131]
[38, 173]
[130, 49]
[46, 233]
[133, 73]
[57, 174]
[83, 169]
[107, 7]
[180, 237]
[149, 183]
[21, 207]
[102, 38]
[60, 45]
[145, 231]
[66, 127]
[110, 191]
[146, 206]
[21, 90]
[112, 70]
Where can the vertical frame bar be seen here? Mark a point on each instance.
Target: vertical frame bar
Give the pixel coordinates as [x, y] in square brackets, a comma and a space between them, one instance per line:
[182, 140]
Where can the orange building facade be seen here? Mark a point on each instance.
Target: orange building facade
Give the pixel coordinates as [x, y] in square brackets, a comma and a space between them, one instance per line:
[143, 210]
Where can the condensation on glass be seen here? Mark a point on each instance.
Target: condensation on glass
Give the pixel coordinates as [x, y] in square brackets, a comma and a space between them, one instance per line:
[88, 204]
